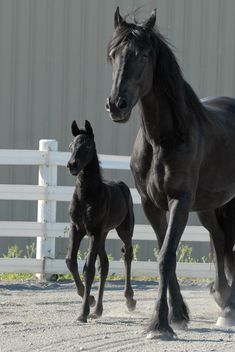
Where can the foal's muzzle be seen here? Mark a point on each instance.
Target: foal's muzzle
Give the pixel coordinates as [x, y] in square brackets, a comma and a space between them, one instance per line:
[73, 167]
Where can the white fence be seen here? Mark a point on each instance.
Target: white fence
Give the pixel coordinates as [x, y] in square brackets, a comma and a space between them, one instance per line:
[46, 230]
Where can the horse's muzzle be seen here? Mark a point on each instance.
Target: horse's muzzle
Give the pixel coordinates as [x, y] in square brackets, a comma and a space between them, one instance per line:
[118, 110]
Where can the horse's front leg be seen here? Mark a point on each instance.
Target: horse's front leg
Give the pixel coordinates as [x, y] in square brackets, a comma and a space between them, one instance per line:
[89, 273]
[178, 314]
[179, 210]
[75, 238]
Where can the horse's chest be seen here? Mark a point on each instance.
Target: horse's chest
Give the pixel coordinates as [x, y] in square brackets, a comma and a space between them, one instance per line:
[151, 182]
[81, 214]
[155, 185]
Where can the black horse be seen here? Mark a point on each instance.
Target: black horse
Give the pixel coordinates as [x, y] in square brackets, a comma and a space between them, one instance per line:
[183, 160]
[96, 208]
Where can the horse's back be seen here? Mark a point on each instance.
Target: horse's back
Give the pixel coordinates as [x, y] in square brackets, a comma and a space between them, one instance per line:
[224, 105]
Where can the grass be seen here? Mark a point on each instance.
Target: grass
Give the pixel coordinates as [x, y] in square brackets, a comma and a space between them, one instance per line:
[112, 277]
[15, 277]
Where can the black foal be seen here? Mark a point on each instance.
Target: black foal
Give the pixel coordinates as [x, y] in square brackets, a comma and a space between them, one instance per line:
[96, 208]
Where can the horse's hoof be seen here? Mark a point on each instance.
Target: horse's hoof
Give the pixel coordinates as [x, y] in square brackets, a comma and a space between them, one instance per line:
[155, 331]
[161, 335]
[131, 304]
[227, 318]
[82, 319]
[179, 325]
[97, 313]
[92, 301]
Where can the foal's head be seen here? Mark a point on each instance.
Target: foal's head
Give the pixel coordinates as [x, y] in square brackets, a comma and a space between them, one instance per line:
[132, 56]
[82, 148]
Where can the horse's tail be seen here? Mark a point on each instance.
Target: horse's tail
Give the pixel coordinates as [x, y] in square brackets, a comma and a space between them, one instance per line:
[226, 219]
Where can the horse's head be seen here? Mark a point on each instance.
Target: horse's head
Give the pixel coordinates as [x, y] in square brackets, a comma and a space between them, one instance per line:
[130, 52]
[82, 148]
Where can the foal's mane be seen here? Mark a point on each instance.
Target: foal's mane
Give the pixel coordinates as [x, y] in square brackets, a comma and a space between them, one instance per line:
[168, 78]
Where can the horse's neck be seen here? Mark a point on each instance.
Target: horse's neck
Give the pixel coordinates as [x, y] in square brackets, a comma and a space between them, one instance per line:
[89, 180]
[156, 119]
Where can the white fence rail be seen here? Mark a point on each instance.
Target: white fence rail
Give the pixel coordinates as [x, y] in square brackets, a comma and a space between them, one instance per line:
[46, 230]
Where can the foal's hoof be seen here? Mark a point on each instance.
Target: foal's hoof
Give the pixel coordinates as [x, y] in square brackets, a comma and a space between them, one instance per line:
[92, 301]
[227, 318]
[82, 319]
[131, 304]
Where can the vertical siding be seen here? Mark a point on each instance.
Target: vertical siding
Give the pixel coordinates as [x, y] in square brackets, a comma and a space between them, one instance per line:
[53, 69]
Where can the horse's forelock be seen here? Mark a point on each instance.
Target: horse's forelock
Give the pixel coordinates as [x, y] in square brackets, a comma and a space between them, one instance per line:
[131, 34]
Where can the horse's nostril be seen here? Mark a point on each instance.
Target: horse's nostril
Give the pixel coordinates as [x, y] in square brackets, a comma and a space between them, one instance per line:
[107, 105]
[71, 164]
[121, 103]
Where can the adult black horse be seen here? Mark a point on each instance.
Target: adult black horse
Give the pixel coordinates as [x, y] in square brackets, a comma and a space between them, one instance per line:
[183, 160]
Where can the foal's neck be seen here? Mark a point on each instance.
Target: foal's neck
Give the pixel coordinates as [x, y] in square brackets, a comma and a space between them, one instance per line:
[89, 180]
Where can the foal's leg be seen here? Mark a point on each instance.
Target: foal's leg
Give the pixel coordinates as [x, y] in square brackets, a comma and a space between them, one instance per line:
[125, 232]
[220, 289]
[179, 314]
[104, 269]
[89, 273]
[75, 238]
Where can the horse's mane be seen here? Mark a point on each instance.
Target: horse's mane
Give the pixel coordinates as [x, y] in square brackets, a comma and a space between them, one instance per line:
[168, 77]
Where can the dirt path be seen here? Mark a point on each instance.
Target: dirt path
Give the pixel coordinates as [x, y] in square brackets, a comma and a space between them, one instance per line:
[35, 318]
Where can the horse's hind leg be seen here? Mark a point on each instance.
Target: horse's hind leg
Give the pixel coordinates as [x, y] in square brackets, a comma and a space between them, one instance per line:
[125, 232]
[178, 315]
[220, 288]
[103, 269]
[75, 238]
[223, 241]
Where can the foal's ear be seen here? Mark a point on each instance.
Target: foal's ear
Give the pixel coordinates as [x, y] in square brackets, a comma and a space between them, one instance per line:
[118, 19]
[89, 129]
[74, 128]
[150, 22]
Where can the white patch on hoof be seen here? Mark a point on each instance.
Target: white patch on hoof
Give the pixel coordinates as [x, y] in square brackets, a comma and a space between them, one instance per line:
[166, 335]
[225, 322]
[151, 335]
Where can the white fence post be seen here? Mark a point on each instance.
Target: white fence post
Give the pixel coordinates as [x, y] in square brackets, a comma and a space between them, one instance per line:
[46, 209]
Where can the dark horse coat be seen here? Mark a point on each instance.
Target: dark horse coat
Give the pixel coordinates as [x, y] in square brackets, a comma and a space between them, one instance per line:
[183, 160]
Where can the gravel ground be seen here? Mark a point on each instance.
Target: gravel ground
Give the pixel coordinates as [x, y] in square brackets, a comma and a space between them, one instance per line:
[36, 317]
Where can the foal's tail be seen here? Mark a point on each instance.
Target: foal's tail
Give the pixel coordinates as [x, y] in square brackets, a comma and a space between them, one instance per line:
[226, 218]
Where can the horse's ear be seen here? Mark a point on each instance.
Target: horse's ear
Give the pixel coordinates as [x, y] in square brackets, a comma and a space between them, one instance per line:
[118, 19]
[150, 22]
[74, 128]
[89, 129]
